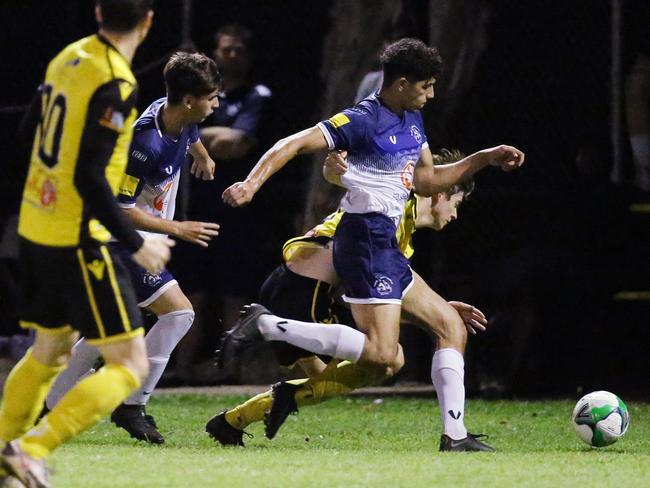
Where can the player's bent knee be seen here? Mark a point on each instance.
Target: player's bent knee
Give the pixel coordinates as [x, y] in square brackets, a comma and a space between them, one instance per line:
[453, 332]
[131, 354]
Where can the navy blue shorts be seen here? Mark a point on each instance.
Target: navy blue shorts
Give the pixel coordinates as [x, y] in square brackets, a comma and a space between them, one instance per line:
[148, 287]
[368, 260]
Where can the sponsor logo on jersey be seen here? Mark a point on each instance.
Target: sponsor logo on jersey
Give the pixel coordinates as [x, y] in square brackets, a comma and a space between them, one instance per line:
[393, 139]
[407, 175]
[383, 285]
[139, 155]
[339, 120]
[112, 119]
[159, 201]
[40, 190]
[415, 132]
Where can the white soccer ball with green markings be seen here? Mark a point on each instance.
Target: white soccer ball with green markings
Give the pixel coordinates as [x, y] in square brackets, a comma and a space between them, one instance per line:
[600, 418]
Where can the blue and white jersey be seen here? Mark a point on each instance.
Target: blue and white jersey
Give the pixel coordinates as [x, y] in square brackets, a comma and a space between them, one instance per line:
[155, 160]
[383, 149]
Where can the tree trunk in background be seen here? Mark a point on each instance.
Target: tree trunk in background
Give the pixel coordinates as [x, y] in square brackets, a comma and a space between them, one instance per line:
[457, 27]
[351, 46]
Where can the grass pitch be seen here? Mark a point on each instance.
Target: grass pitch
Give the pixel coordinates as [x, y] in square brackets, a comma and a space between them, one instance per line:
[358, 442]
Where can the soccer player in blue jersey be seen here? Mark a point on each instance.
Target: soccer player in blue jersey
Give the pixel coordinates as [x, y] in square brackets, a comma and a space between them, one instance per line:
[163, 136]
[388, 156]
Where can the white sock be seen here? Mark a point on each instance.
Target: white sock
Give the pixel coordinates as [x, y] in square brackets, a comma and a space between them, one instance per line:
[447, 374]
[336, 340]
[81, 362]
[161, 341]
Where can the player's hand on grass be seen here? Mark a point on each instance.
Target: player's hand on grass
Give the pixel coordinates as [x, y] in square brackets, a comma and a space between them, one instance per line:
[196, 232]
[154, 253]
[473, 318]
[203, 169]
[238, 194]
[507, 158]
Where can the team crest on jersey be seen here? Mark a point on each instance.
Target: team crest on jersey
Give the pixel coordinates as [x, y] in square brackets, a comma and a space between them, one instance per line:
[151, 279]
[383, 285]
[407, 175]
[417, 135]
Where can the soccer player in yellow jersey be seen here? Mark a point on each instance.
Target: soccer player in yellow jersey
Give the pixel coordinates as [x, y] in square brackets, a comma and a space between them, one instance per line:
[302, 289]
[70, 281]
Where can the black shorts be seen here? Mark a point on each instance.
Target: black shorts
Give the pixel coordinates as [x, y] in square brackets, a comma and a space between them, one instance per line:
[87, 289]
[296, 297]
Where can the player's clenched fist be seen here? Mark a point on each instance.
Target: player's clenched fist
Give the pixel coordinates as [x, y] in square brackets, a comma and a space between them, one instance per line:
[505, 157]
[238, 194]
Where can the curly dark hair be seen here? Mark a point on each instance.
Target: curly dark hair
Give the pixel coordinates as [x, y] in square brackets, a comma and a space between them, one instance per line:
[411, 59]
[123, 15]
[448, 156]
[190, 74]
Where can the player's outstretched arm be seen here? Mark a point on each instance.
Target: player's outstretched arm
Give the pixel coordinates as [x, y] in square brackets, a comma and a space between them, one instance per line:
[429, 180]
[191, 231]
[203, 165]
[304, 142]
[335, 166]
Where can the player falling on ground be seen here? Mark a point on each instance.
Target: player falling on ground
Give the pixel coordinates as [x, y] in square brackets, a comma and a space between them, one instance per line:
[70, 280]
[388, 156]
[163, 136]
[304, 288]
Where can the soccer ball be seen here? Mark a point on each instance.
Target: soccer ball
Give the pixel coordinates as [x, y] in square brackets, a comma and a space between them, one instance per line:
[600, 418]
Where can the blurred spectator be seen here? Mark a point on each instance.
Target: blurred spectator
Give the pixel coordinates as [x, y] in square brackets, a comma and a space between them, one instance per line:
[224, 277]
[637, 92]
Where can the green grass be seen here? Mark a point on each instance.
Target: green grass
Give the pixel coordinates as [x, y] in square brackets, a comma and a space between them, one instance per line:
[358, 443]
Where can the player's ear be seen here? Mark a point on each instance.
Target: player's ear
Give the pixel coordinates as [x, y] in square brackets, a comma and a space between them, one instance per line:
[98, 14]
[188, 101]
[402, 83]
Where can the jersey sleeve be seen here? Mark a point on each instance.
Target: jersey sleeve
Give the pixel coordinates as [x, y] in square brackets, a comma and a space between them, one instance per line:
[141, 160]
[194, 133]
[253, 112]
[346, 129]
[105, 121]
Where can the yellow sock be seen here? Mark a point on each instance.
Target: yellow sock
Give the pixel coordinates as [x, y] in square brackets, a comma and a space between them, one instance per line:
[83, 406]
[24, 393]
[335, 380]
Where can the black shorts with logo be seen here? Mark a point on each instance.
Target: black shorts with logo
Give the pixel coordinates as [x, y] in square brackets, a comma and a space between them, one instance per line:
[292, 296]
[87, 289]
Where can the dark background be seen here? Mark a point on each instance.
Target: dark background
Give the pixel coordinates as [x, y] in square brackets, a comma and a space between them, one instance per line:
[543, 251]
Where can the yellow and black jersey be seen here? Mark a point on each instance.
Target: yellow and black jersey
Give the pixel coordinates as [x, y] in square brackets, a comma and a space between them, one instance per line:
[79, 154]
[324, 232]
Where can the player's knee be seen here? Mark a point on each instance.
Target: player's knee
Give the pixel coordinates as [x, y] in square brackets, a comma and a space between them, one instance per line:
[452, 330]
[384, 358]
[54, 350]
